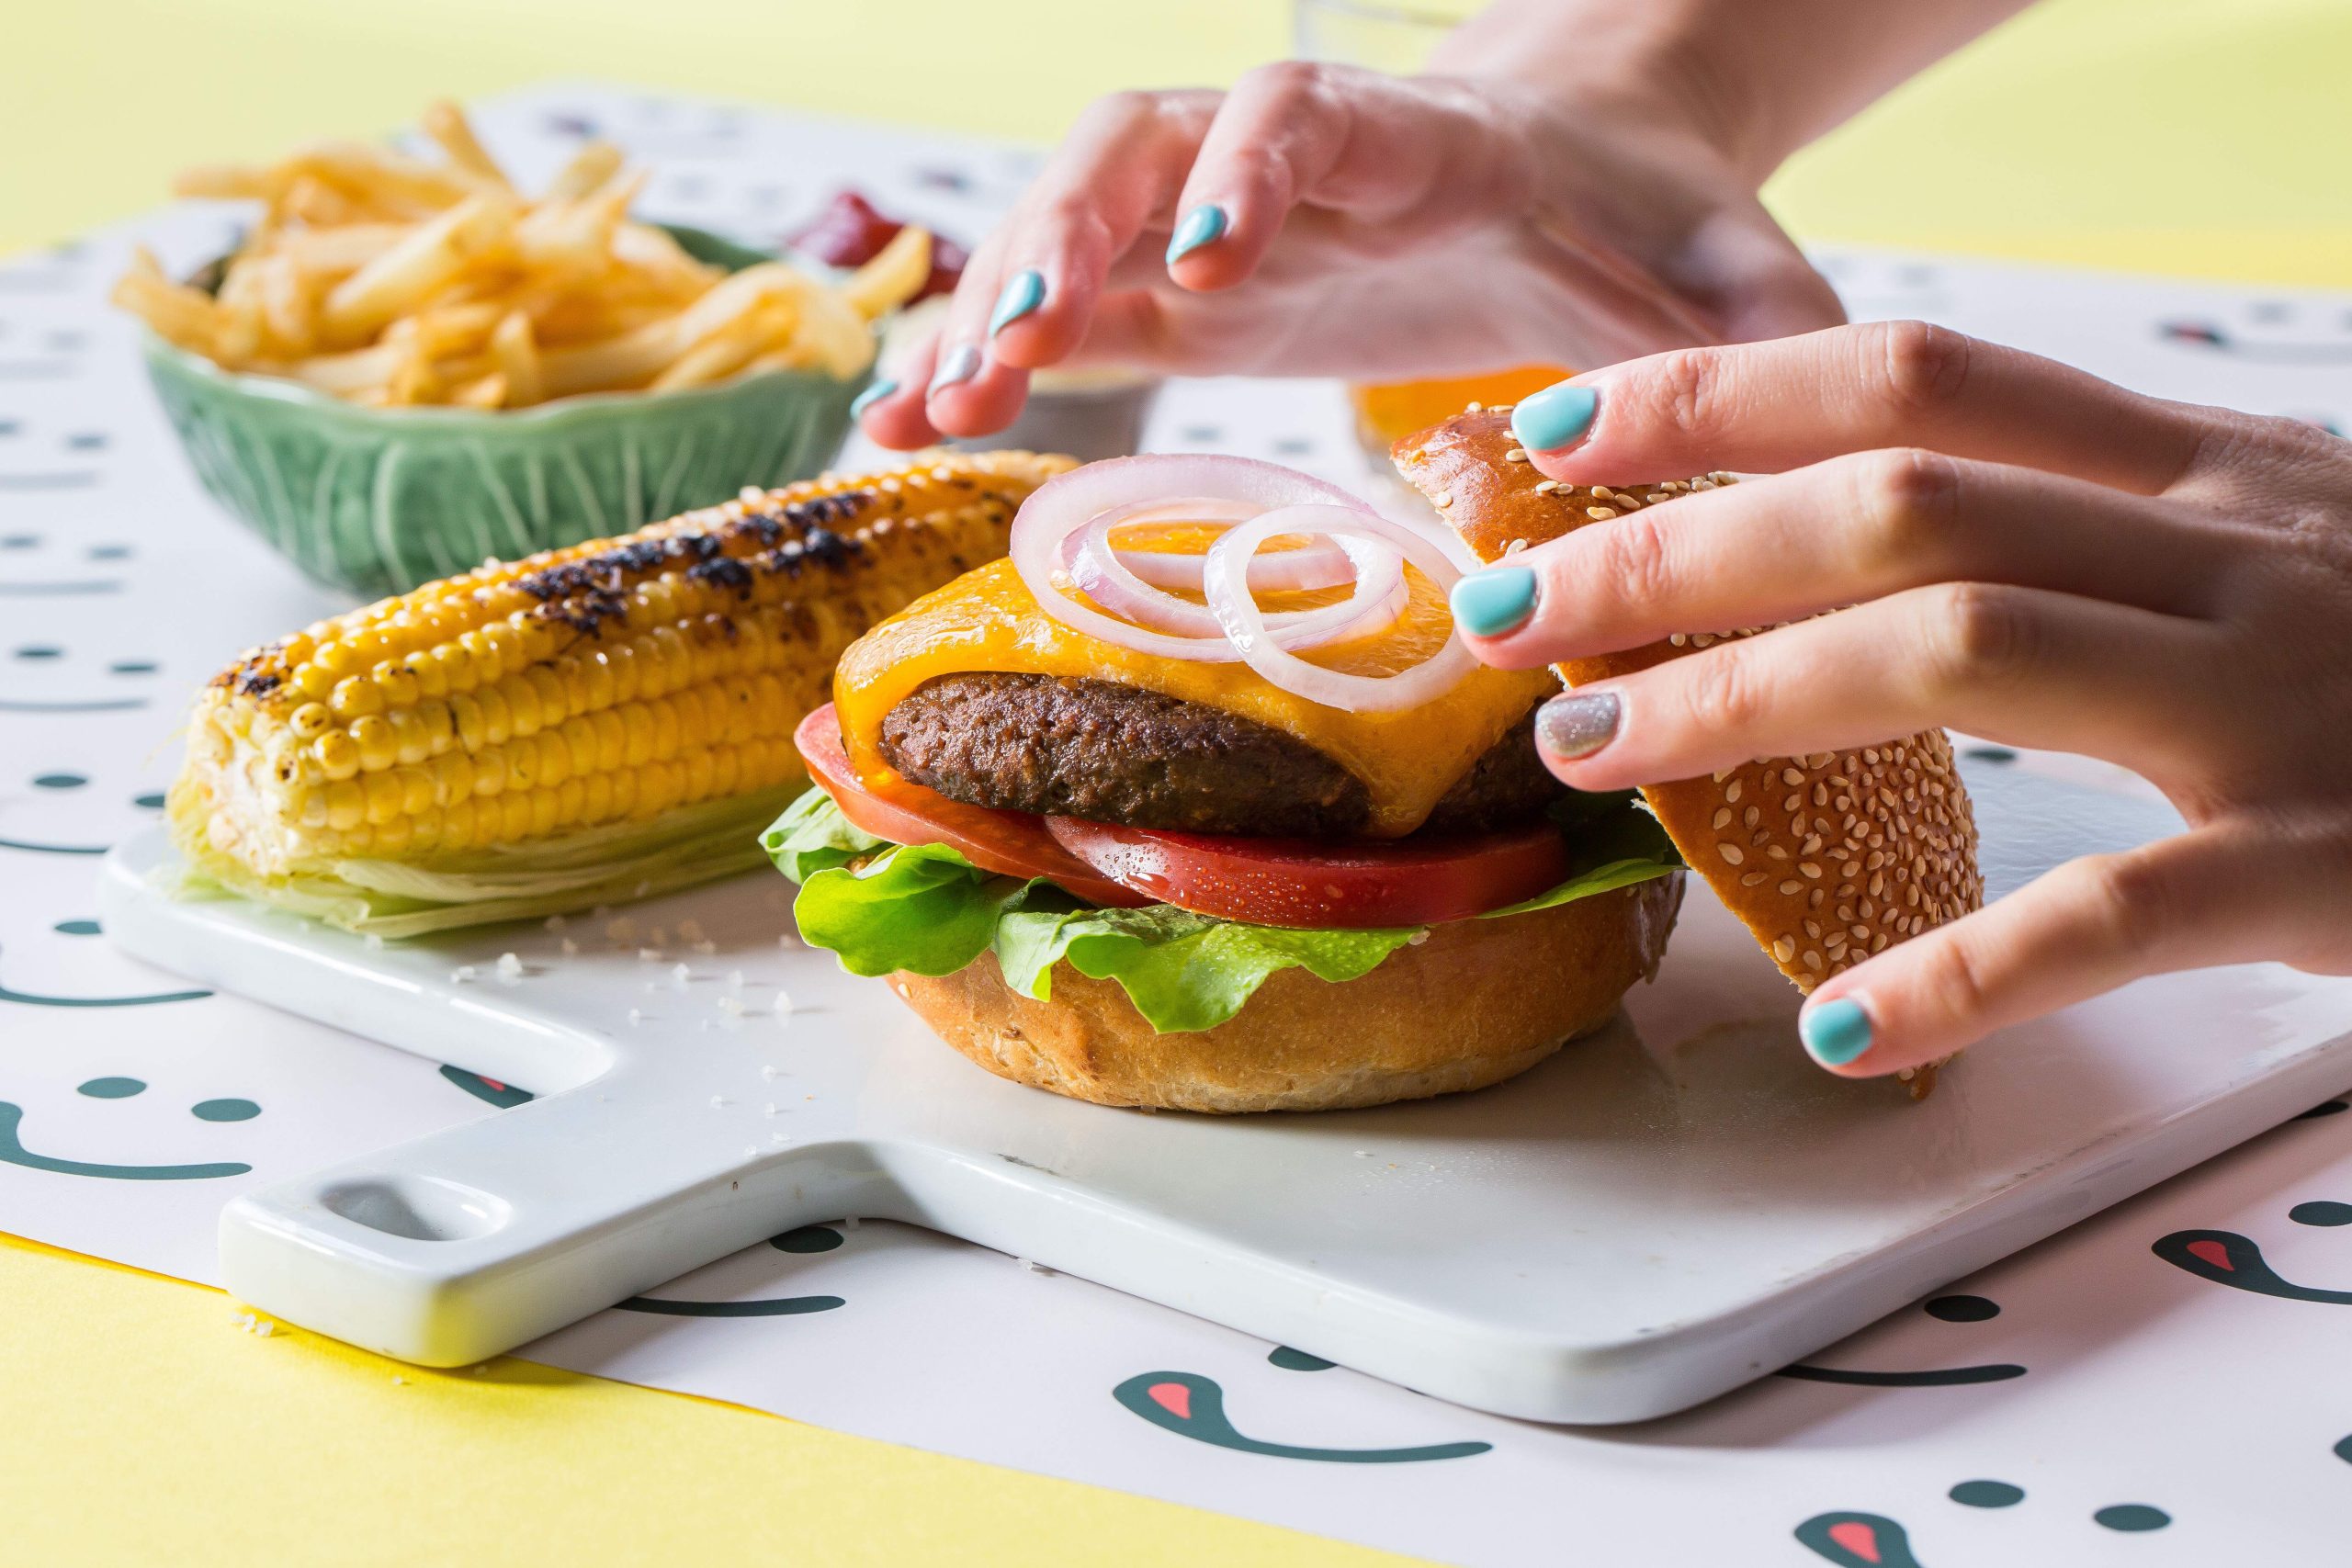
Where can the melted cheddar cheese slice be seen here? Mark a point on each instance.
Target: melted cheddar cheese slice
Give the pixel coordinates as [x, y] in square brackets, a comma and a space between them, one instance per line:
[987, 621]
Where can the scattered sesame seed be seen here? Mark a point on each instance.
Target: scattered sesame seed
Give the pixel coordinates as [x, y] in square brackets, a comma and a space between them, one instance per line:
[372, 943]
[554, 922]
[719, 1101]
[463, 975]
[635, 1017]
[771, 1072]
[679, 976]
[510, 968]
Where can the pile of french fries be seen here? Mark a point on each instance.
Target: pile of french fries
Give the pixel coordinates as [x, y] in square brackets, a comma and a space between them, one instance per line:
[390, 280]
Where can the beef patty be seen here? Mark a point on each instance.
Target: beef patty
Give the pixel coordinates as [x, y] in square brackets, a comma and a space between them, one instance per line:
[1113, 753]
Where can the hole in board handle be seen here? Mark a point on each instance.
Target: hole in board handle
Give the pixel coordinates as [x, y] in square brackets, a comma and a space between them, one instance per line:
[422, 1208]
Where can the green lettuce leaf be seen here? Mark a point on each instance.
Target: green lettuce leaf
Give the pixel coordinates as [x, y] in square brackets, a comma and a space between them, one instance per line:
[880, 907]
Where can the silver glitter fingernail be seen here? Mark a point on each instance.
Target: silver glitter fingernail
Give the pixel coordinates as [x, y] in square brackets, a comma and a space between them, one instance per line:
[1577, 724]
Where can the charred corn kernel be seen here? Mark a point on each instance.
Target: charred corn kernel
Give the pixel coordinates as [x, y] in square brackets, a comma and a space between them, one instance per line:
[396, 684]
[605, 682]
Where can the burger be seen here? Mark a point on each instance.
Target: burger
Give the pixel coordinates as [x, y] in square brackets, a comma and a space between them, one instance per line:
[1196, 800]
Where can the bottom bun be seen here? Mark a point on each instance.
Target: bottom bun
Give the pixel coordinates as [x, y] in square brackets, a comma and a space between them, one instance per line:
[1478, 1001]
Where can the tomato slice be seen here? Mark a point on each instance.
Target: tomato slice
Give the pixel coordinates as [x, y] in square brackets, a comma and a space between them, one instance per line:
[1299, 882]
[1010, 844]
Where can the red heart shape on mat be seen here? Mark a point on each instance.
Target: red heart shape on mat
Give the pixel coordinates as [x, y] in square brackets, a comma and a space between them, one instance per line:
[1857, 1537]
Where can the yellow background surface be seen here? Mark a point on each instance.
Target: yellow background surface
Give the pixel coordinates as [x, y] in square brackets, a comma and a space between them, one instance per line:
[2199, 137]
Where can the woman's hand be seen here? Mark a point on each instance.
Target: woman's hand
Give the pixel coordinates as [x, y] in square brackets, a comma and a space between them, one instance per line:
[1323, 220]
[1963, 534]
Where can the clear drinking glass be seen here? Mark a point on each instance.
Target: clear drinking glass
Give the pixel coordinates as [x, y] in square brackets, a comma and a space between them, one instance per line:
[1397, 37]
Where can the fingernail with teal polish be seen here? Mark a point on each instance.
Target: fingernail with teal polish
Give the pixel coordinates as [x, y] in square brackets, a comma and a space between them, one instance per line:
[1555, 417]
[1835, 1031]
[1021, 295]
[1488, 603]
[1577, 724]
[1202, 224]
[962, 363]
[871, 395]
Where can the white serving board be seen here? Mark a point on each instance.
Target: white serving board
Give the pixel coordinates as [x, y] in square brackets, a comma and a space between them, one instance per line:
[1655, 1217]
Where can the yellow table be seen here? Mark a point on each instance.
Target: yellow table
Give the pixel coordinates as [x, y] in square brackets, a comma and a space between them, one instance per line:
[145, 1426]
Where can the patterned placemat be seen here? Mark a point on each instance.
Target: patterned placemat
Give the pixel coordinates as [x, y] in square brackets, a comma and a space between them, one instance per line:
[2163, 1384]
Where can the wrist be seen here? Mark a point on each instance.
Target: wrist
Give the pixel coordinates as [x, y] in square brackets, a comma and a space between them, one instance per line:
[1664, 60]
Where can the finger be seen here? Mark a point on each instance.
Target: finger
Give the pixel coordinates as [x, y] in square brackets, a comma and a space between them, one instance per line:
[1772, 406]
[2203, 897]
[2019, 665]
[1029, 293]
[890, 410]
[1854, 528]
[1350, 141]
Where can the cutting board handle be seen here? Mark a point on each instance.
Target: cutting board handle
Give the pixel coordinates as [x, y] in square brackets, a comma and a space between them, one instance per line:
[476, 1239]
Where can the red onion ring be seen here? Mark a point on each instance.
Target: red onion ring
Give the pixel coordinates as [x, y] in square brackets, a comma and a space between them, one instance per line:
[1226, 580]
[1069, 502]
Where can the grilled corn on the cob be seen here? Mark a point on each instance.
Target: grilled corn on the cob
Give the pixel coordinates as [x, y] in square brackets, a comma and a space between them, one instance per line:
[590, 722]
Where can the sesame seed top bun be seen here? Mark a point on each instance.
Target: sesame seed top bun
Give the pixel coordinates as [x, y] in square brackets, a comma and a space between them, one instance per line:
[1827, 858]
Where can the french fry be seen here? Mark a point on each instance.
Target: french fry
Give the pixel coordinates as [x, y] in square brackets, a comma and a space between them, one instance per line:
[312, 201]
[288, 296]
[836, 336]
[177, 314]
[517, 352]
[348, 375]
[575, 238]
[481, 392]
[445, 123]
[429, 255]
[725, 352]
[338, 249]
[892, 276]
[385, 179]
[388, 280]
[595, 162]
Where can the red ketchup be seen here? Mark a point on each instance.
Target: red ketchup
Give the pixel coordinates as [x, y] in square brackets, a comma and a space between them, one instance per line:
[848, 232]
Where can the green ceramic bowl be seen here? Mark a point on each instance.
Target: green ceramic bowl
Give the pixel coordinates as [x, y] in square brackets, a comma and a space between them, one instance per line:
[377, 501]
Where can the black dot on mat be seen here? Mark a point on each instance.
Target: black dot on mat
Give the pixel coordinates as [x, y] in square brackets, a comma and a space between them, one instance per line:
[40, 651]
[1987, 1495]
[2320, 1212]
[2131, 1517]
[1292, 1360]
[59, 781]
[109, 552]
[65, 340]
[151, 802]
[87, 440]
[18, 541]
[1293, 446]
[76, 927]
[1990, 754]
[9, 427]
[807, 1238]
[131, 667]
[1963, 1309]
[1202, 432]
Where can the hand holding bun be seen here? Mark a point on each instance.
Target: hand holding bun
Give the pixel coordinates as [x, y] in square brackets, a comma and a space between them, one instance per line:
[1827, 856]
[1949, 532]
